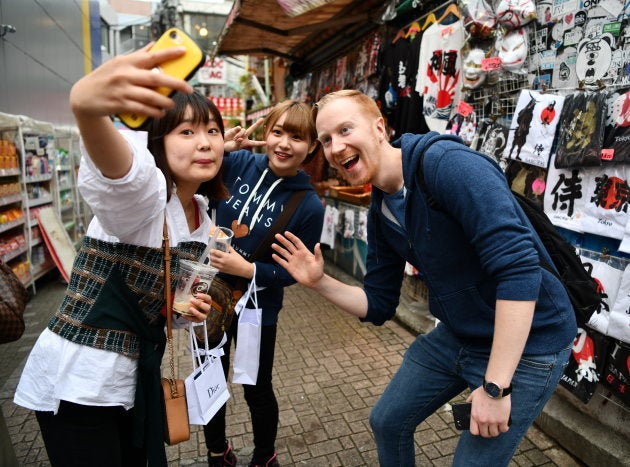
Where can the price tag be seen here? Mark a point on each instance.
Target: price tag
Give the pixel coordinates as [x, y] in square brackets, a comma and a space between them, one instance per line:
[464, 109]
[491, 64]
[607, 154]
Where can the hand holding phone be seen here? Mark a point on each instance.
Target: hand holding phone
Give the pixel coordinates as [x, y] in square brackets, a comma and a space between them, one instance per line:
[183, 67]
[461, 415]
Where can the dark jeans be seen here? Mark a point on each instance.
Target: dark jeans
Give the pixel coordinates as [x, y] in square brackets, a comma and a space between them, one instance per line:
[83, 435]
[260, 398]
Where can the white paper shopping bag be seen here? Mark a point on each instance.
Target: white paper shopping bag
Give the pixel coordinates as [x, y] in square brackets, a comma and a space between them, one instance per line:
[247, 353]
[206, 387]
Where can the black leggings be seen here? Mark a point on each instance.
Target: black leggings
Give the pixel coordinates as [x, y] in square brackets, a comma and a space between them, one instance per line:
[260, 398]
[83, 435]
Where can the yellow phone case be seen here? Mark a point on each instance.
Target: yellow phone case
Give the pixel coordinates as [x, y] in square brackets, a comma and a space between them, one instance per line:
[183, 67]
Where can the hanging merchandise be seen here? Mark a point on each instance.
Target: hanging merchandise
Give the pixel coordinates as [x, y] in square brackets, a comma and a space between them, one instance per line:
[619, 320]
[512, 14]
[616, 373]
[581, 131]
[607, 195]
[564, 197]
[607, 274]
[474, 74]
[479, 18]
[586, 363]
[528, 180]
[594, 58]
[617, 131]
[463, 123]
[398, 78]
[348, 223]
[439, 72]
[331, 217]
[493, 144]
[513, 49]
[533, 127]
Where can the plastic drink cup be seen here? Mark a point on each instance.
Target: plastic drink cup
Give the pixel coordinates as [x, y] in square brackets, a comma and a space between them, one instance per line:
[195, 279]
[221, 239]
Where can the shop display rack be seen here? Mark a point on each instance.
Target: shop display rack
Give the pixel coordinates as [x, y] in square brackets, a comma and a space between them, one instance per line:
[38, 166]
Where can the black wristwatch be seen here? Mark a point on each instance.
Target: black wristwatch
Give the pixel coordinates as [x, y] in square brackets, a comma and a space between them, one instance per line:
[495, 391]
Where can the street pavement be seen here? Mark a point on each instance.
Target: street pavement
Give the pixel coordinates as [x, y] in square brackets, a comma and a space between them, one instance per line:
[329, 371]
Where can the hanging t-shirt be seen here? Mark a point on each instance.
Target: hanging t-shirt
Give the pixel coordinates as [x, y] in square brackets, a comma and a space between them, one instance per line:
[410, 118]
[606, 203]
[533, 127]
[617, 132]
[440, 72]
[565, 195]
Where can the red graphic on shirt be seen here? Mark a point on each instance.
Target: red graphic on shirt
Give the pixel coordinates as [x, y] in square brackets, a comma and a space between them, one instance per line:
[611, 193]
[442, 69]
[583, 353]
[548, 114]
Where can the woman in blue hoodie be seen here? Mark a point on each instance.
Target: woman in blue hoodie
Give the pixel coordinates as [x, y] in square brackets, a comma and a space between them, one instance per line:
[260, 186]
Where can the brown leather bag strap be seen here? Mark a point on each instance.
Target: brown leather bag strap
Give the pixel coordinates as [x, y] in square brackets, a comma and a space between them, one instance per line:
[167, 281]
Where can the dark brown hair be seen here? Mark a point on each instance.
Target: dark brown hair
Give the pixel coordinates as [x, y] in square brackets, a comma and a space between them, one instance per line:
[203, 109]
[298, 121]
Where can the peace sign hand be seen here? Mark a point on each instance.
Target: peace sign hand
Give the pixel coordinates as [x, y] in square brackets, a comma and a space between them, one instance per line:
[238, 137]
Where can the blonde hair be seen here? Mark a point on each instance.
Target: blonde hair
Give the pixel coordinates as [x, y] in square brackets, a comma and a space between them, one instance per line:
[365, 102]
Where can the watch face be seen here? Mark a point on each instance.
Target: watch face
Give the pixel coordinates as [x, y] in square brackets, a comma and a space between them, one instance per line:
[493, 390]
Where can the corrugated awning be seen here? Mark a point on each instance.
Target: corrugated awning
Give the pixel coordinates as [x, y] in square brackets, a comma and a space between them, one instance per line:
[262, 28]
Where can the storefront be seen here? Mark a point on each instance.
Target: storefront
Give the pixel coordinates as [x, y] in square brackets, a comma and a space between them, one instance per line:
[544, 88]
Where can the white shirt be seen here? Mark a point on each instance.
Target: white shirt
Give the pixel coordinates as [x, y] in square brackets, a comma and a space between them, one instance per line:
[130, 210]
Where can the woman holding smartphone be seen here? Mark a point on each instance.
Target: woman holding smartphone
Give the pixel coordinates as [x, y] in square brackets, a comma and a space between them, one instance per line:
[93, 377]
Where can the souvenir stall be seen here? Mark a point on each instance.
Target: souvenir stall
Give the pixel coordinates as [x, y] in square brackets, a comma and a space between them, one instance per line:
[544, 88]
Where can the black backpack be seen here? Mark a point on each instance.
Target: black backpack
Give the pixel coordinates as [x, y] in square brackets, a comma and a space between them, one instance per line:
[583, 290]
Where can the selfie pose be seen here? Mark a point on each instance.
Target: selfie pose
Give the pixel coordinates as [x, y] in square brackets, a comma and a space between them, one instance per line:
[261, 187]
[505, 323]
[93, 377]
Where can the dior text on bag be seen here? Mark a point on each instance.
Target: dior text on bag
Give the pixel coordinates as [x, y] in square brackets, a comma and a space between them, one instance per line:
[175, 411]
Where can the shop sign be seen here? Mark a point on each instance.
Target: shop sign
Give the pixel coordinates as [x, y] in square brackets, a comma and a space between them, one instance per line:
[213, 72]
[298, 7]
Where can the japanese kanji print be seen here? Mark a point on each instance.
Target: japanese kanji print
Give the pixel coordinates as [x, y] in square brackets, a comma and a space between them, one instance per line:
[581, 130]
[606, 201]
[617, 132]
[533, 128]
[619, 319]
[564, 197]
[616, 374]
[440, 72]
[586, 364]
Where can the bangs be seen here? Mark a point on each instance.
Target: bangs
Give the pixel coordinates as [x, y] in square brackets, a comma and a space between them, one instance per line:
[199, 109]
[297, 121]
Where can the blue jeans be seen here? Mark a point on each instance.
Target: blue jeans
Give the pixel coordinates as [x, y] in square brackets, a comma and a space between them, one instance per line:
[435, 369]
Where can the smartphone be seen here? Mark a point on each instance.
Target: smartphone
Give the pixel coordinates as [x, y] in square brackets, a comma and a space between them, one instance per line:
[461, 415]
[183, 67]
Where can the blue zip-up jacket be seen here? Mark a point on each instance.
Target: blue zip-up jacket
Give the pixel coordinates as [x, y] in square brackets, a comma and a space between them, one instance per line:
[242, 172]
[479, 247]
